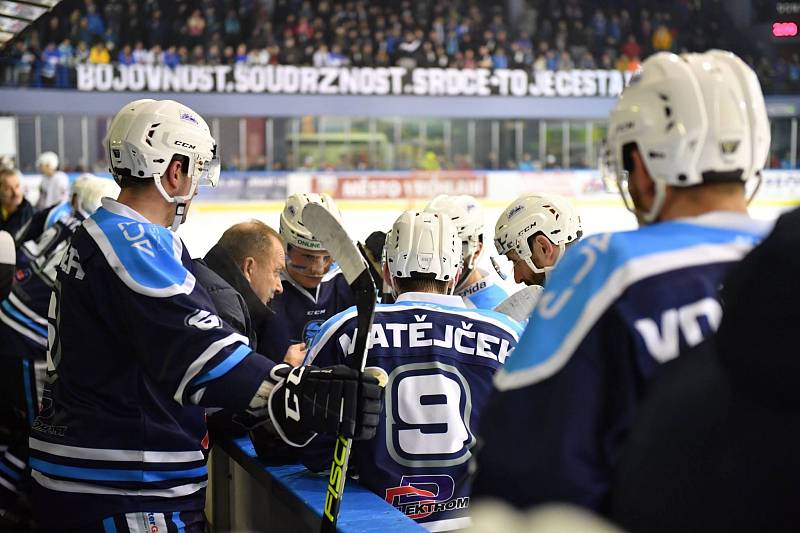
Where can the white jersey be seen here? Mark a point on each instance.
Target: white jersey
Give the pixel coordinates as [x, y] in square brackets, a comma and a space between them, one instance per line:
[485, 293]
[53, 190]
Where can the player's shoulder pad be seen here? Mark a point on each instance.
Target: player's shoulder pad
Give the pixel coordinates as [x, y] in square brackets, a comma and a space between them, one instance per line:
[594, 273]
[56, 213]
[327, 330]
[145, 256]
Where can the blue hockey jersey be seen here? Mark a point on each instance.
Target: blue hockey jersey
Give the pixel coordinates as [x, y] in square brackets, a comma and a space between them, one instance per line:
[136, 354]
[616, 307]
[41, 244]
[440, 357]
[298, 314]
[485, 293]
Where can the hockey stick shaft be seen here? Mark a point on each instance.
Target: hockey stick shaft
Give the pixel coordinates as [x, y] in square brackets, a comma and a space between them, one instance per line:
[364, 290]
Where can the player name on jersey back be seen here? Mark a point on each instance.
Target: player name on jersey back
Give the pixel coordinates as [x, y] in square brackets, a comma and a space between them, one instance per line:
[424, 334]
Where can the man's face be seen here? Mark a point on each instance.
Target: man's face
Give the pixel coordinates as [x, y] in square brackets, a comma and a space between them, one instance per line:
[265, 278]
[46, 169]
[522, 272]
[308, 267]
[10, 191]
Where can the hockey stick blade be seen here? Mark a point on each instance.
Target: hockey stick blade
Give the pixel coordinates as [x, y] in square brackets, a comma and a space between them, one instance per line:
[327, 230]
[521, 304]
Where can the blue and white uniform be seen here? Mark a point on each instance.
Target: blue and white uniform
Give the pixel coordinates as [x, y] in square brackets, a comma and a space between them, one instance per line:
[40, 244]
[136, 354]
[298, 313]
[440, 357]
[486, 293]
[616, 307]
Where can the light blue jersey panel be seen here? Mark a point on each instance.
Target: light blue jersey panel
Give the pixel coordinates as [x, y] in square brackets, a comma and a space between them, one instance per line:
[146, 256]
[487, 298]
[61, 210]
[596, 271]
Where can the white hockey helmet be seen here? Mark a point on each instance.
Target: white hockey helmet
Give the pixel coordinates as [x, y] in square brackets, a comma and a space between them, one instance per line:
[467, 215]
[47, 159]
[89, 190]
[695, 118]
[291, 227]
[423, 243]
[145, 135]
[551, 215]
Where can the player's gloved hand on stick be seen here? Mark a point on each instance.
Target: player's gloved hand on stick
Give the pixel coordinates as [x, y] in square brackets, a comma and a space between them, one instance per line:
[331, 401]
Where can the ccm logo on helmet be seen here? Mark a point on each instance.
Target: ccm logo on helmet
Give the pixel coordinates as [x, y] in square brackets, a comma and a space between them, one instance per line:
[185, 145]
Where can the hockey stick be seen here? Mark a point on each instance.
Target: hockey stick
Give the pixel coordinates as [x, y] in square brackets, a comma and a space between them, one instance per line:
[327, 230]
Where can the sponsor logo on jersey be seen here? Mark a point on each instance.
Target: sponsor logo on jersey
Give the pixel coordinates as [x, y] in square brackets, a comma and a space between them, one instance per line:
[472, 289]
[202, 319]
[310, 330]
[151, 521]
[22, 274]
[419, 497]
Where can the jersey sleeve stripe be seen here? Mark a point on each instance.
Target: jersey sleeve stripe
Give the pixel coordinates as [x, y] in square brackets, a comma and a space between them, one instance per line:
[541, 364]
[16, 302]
[224, 367]
[326, 331]
[197, 365]
[107, 454]
[101, 474]
[87, 488]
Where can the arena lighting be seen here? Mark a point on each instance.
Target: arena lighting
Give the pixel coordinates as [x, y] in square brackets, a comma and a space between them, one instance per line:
[16, 16]
[784, 29]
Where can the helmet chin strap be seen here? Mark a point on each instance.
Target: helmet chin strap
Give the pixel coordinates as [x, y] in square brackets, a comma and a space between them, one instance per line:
[648, 217]
[179, 201]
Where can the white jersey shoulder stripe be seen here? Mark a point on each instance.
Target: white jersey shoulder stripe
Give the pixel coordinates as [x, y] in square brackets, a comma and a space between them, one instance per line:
[26, 310]
[625, 276]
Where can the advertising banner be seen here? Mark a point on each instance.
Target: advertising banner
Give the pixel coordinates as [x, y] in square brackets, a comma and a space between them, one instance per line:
[362, 81]
[400, 185]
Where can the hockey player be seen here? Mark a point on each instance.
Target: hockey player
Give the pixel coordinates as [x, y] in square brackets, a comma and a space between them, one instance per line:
[478, 287]
[54, 187]
[313, 291]
[136, 352]
[533, 233]
[440, 357]
[23, 324]
[683, 139]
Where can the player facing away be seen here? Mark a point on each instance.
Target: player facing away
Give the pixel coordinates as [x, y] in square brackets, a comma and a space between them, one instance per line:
[683, 139]
[440, 357]
[313, 289]
[40, 245]
[478, 287]
[136, 352]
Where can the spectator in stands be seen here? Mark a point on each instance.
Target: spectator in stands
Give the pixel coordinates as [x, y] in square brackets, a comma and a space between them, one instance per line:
[66, 61]
[125, 56]
[195, 27]
[662, 38]
[97, 27]
[50, 60]
[631, 48]
[15, 210]
[99, 54]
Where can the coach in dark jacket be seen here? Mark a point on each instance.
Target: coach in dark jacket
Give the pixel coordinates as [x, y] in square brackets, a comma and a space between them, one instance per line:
[241, 274]
[714, 447]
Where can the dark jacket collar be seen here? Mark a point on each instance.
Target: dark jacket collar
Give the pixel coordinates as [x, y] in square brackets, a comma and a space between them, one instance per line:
[223, 264]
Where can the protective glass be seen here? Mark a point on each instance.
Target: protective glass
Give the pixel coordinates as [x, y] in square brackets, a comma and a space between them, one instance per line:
[209, 170]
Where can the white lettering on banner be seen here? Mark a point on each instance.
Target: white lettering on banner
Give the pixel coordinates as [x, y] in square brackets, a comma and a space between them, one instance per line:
[290, 79]
[420, 335]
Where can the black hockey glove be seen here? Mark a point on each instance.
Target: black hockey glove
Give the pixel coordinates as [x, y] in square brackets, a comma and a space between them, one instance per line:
[327, 400]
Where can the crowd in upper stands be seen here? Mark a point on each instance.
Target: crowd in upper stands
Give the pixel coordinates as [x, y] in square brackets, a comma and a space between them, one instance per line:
[544, 34]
